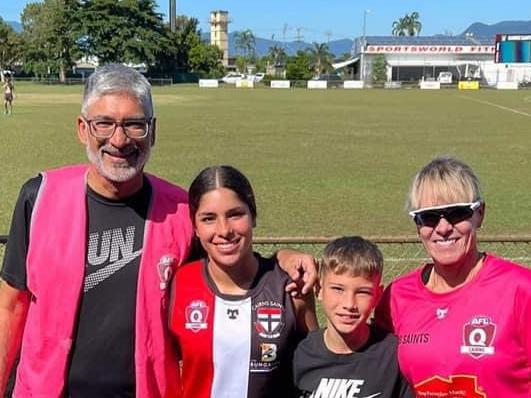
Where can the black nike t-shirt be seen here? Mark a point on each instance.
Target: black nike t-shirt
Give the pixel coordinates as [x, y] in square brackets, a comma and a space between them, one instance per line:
[372, 371]
[102, 358]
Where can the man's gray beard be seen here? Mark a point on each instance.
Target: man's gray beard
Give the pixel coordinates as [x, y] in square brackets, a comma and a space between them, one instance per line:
[119, 173]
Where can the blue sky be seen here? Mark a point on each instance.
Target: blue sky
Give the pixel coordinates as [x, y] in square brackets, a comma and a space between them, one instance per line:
[318, 20]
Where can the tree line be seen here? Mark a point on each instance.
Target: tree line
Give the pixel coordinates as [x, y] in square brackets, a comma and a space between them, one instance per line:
[57, 33]
[303, 65]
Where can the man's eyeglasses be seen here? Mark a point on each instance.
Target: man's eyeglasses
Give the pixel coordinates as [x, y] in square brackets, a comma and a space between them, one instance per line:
[105, 128]
[453, 213]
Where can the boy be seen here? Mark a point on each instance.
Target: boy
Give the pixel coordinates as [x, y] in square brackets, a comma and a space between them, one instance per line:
[349, 358]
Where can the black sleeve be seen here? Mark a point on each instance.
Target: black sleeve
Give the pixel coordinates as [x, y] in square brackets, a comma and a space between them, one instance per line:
[403, 388]
[14, 268]
[382, 314]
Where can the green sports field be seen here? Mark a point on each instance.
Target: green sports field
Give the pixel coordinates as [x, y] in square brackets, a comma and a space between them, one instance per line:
[322, 163]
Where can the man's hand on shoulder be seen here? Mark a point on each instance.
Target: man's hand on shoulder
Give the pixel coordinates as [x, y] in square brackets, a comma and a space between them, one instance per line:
[302, 269]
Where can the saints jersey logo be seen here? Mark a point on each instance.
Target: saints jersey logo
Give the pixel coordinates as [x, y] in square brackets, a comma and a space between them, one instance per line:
[269, 321]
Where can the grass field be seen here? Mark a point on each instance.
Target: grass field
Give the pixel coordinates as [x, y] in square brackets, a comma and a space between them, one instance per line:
[322, 162]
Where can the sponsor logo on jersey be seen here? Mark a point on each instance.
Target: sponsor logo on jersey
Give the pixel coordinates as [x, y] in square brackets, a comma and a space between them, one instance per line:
[478, 337]
[269, 319]
[414, 338]
[233, 313]
[196, 314]
[441, 312]
[256, 366]
[269, 352]
[454, 386]
[268, 359]
[341, 388]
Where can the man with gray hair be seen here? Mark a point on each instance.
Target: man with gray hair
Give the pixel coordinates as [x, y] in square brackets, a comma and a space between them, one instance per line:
[91, 248]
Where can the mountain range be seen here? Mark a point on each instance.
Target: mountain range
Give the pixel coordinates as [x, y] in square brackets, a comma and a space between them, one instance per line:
[343, 46]
[15, 25]
[514, 27]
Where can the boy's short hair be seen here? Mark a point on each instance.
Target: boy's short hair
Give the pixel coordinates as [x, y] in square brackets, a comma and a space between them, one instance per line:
[353, 255]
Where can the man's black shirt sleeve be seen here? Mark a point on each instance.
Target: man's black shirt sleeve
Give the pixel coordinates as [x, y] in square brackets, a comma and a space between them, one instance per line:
[14, 268]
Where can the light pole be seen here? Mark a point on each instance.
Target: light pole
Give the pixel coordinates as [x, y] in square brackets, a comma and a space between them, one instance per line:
[173, 14]
[365, 12]
[363, 44]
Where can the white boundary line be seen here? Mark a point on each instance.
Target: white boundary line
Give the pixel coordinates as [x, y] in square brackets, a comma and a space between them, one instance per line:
[505, 108]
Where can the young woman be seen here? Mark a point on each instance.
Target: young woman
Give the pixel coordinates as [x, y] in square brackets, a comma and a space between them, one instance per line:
[235, 325]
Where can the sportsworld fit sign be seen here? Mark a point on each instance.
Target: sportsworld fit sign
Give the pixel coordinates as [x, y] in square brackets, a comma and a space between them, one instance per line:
[430, 50]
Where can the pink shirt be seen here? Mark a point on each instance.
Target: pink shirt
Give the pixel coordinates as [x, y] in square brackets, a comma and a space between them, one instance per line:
[472, 342]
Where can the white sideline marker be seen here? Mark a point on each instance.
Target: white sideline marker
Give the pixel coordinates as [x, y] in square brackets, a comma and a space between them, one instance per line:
[505, 108]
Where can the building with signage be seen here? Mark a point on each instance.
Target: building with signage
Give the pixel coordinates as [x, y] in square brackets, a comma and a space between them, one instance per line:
[430, 57]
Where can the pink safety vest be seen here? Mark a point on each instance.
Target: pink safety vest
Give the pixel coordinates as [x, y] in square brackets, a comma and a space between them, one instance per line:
[55, 271]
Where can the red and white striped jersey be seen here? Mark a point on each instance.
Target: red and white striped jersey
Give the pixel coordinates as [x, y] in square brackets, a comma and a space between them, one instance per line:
[234, 346]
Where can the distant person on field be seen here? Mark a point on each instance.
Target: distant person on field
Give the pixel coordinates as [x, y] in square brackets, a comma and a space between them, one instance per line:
[9, 89]
[90, 252]
[463, 318]
[349, 357]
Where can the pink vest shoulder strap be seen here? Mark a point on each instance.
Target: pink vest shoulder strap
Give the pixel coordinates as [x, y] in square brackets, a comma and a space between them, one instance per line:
[55, 269]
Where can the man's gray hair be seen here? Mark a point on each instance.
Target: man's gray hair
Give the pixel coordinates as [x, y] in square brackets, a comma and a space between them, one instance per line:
[117, 79]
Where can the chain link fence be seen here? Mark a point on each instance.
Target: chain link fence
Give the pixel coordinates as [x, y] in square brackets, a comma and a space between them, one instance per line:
[401, 254]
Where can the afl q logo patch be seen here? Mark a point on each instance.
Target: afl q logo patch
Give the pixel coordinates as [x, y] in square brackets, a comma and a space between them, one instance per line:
[478, 337]
[196, 314]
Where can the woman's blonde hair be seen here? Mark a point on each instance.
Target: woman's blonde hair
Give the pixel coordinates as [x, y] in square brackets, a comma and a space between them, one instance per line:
[446, 180]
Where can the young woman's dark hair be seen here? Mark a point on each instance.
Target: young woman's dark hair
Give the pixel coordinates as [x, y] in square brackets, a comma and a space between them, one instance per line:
[222, 176]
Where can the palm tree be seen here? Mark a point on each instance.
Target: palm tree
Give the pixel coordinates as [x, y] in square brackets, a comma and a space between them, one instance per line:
[246, 42]
[321, 57]
[414, 25]
[277, 55]
[399, 27]
[408, 25]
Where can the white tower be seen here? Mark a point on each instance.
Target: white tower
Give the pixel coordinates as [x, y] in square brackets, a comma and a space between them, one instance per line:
[219, 33]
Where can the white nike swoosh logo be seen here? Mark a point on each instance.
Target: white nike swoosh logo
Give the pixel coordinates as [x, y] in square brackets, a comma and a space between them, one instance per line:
[373, 395]
[102, 274]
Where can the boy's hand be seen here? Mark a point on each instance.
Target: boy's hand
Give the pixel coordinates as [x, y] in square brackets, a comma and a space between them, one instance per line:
[302, 269]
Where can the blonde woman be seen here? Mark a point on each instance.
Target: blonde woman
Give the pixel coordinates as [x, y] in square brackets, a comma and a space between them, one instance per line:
[463, 319]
